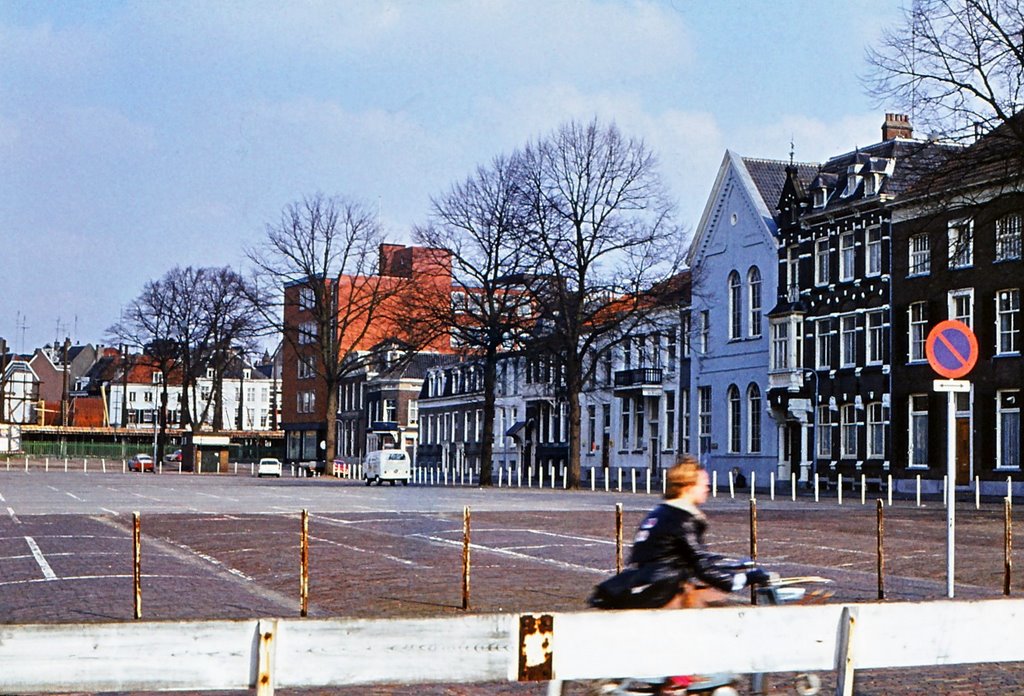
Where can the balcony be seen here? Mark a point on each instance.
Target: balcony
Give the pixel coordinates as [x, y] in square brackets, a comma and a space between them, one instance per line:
[646, 381]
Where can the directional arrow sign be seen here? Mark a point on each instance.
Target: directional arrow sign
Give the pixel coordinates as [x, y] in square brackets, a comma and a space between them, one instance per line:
[952, 349]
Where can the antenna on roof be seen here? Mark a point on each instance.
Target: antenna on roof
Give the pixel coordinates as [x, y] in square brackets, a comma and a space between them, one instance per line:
[792, 149]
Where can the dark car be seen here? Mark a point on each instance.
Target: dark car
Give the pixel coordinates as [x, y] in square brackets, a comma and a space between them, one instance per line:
[141, 462]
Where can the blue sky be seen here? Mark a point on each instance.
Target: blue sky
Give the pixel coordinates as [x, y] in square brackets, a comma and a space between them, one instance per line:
[135, 136]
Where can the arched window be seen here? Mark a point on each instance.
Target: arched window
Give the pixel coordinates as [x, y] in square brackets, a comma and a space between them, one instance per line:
[735, 306]
[754, 297]
[753, 418]
[735, 428]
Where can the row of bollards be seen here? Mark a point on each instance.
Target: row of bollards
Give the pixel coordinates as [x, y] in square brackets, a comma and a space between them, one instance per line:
[304, 553]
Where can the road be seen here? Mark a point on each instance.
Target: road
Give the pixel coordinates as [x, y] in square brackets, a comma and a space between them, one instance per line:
[224, 546]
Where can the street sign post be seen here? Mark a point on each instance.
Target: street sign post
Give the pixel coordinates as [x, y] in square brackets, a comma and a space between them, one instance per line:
[952, 351]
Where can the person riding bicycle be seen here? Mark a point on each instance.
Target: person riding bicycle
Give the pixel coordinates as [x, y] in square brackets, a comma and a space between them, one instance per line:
[669, 559]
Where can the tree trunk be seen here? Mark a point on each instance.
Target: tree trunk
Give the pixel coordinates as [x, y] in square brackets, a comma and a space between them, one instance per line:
[330, 417]
[487, 443]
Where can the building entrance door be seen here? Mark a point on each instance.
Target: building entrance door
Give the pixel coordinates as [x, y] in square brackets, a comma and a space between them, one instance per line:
[963, 451]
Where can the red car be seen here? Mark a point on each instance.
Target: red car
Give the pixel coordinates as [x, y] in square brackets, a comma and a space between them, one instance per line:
[141, 462]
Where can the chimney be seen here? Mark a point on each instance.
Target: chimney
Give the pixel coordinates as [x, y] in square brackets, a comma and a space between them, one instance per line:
[897, 126]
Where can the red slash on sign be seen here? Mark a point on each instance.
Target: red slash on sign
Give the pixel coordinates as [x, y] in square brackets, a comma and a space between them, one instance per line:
[952, 349]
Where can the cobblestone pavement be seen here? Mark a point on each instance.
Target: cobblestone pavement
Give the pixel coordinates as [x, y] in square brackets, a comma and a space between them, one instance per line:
[391, 563]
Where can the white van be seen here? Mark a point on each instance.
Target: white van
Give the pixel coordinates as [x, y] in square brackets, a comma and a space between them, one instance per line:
[387, 465]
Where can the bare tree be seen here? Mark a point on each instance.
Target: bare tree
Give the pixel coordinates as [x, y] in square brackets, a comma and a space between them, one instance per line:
[148, 324]
[322, 259]
[485, 306]
[603, 240]
[956, 66]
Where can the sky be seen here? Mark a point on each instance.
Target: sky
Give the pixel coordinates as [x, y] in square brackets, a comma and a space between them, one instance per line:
[137, 136]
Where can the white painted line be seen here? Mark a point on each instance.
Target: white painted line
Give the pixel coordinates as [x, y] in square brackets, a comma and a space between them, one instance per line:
[73, 495]
[13, 516]
[513, 554]
[218, 497]
[112, 512]
[38, 555]
[89, 577]
[375, 552]
[2, 499]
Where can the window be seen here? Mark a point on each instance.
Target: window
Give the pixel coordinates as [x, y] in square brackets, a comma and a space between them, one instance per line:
[846, 256]
[705, 330]
[826, 332]
[1008, 424]
[918, 431]
[735, 306]
[671, 349]
[639, 421]
[826, 427]
[848, 432]
[780, 346]
[684, 334]
[961, 243]
[307, 332]
[670, 420]
[874, 253]
[877, 421]
[704, 418]
[1008, 237]
[820, 197]
[754, 281]
[848, 345]
[305, 368]
[592, 427]
[792, 273]
[753, 418]
[821, 258]
[918, 313]
[961, 306]
[624, 410]
[1007, 310]
[157, 378]
[414, 412]
[684, 417]
[876, 337]
[735, 426]
[920, 255]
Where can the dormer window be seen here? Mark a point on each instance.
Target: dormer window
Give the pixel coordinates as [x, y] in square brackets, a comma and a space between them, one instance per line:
[852, 180]
[871, 185]
[820, 197]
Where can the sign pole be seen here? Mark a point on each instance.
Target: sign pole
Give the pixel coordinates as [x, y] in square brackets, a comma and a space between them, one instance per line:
[950, 490]
[952, 351]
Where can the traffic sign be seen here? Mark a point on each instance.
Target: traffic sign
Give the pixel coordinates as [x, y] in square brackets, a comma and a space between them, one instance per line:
[951, 348]
[951, 385]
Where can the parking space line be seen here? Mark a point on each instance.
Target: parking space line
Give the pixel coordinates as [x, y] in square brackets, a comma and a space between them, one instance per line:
[513, 554]
[2, 499]
[73, 495]
[375, 552]
[112, 512]
[10, 511]
[38, 555]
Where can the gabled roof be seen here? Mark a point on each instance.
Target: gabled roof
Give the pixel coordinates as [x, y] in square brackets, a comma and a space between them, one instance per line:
[758, 178]
[769, 176]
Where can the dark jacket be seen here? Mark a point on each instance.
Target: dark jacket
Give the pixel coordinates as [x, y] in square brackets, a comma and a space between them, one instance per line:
[672, 537]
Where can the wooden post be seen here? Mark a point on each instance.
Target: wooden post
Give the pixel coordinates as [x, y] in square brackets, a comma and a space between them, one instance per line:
[304, 563]
[881, 549]
[753, 544]
[618, 537]
[465, 558]
[137, 564]
[1007, 544]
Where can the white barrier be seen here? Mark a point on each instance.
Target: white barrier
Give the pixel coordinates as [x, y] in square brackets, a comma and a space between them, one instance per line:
[269, 653]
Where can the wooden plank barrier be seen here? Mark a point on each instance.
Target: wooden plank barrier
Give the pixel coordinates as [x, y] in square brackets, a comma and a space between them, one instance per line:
[296, 653]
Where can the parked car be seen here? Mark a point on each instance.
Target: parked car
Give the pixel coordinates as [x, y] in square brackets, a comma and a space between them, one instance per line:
[173, 458]
[141, 462]
[268, 466]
